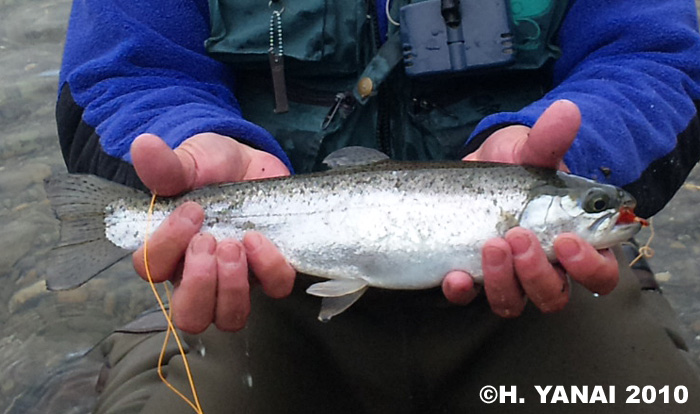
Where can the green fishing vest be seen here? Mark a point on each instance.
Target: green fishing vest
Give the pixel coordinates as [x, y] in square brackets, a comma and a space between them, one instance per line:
[345, 88]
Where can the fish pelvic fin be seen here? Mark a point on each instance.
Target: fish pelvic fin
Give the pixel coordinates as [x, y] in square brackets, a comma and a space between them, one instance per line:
[83, 251]
[338, 295]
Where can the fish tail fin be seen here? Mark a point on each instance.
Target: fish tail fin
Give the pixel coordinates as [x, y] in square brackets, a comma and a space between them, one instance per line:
[83, 251]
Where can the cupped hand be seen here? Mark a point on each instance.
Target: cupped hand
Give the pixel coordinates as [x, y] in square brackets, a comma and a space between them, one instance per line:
[210, 278]
[515, 267]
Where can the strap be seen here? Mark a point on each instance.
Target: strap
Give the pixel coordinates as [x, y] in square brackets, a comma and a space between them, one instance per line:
[379, 68]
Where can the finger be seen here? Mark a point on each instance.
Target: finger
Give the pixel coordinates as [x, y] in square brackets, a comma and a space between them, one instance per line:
[233, 289]
[543, 284]
[269, 266]
[171, 175]
[551, 136]
[596, 270]
[503, 290]
[459, 288]
[194, 299]
[168, 243]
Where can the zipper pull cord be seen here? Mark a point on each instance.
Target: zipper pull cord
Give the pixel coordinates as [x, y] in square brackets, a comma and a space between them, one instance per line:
[279, 85]
[339, 98]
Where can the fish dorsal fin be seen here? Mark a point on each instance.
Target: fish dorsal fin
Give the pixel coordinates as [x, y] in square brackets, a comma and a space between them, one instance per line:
[338, 295]
[354, 156]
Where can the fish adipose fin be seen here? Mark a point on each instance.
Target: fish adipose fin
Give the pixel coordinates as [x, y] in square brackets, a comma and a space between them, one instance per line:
[83, 252]
[338, 295]
[354, 156]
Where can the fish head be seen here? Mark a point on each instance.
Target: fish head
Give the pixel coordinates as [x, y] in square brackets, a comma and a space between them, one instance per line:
[601, 214]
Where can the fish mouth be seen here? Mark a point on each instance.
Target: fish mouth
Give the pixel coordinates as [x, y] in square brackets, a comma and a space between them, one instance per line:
[613, 230]
[619, 220]
[604, 219]
[626, 215]
[622, 232]
[627, 227]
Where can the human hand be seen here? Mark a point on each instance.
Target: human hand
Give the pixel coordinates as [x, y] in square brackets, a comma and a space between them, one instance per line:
[515, 267]
[210, 278]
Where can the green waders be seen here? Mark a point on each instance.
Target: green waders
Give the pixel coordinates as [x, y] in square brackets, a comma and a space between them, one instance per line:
[411, 352]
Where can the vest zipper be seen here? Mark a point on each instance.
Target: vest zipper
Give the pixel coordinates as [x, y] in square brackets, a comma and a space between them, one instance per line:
[344, 103]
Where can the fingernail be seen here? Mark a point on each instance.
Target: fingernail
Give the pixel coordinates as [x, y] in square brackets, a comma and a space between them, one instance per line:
[252, 241]
[229, 252]
[459, 291]
[494, 256]
[192, 212]
[203, 244]
[519, 244]
[568, 247]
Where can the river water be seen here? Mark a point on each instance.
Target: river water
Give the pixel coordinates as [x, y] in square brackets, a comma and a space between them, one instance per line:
[46, 337]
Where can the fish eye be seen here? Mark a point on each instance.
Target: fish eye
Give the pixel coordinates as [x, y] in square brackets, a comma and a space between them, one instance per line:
[596, 201]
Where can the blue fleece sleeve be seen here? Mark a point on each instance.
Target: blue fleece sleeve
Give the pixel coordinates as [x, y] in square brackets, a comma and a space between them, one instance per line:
[633, 68]
[140, 66]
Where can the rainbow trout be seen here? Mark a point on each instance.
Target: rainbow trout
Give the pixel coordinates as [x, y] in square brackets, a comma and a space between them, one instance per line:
[368, 222]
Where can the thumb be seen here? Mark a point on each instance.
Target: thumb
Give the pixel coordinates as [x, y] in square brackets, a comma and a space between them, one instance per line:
[200, 160]
[158, 166]
[213, 158]
[551, 136]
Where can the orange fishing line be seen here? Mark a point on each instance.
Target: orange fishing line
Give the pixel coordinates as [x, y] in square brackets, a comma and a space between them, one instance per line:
[646, 251]
[171, 327]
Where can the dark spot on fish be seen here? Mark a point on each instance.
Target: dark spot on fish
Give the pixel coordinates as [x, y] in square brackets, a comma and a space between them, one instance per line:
[248, 225]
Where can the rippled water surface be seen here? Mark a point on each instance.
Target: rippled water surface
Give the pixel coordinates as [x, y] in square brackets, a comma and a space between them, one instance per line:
[45, 337]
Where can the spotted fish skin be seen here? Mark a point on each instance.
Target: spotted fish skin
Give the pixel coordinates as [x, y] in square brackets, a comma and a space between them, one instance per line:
[392, 225]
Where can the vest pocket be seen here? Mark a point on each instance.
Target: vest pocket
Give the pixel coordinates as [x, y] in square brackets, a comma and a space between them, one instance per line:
[299, 131]
[448, 114]
[313, 31]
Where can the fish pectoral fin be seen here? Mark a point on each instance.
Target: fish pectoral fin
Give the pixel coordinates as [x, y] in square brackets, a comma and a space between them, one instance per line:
[331, 306]
[336, 287]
